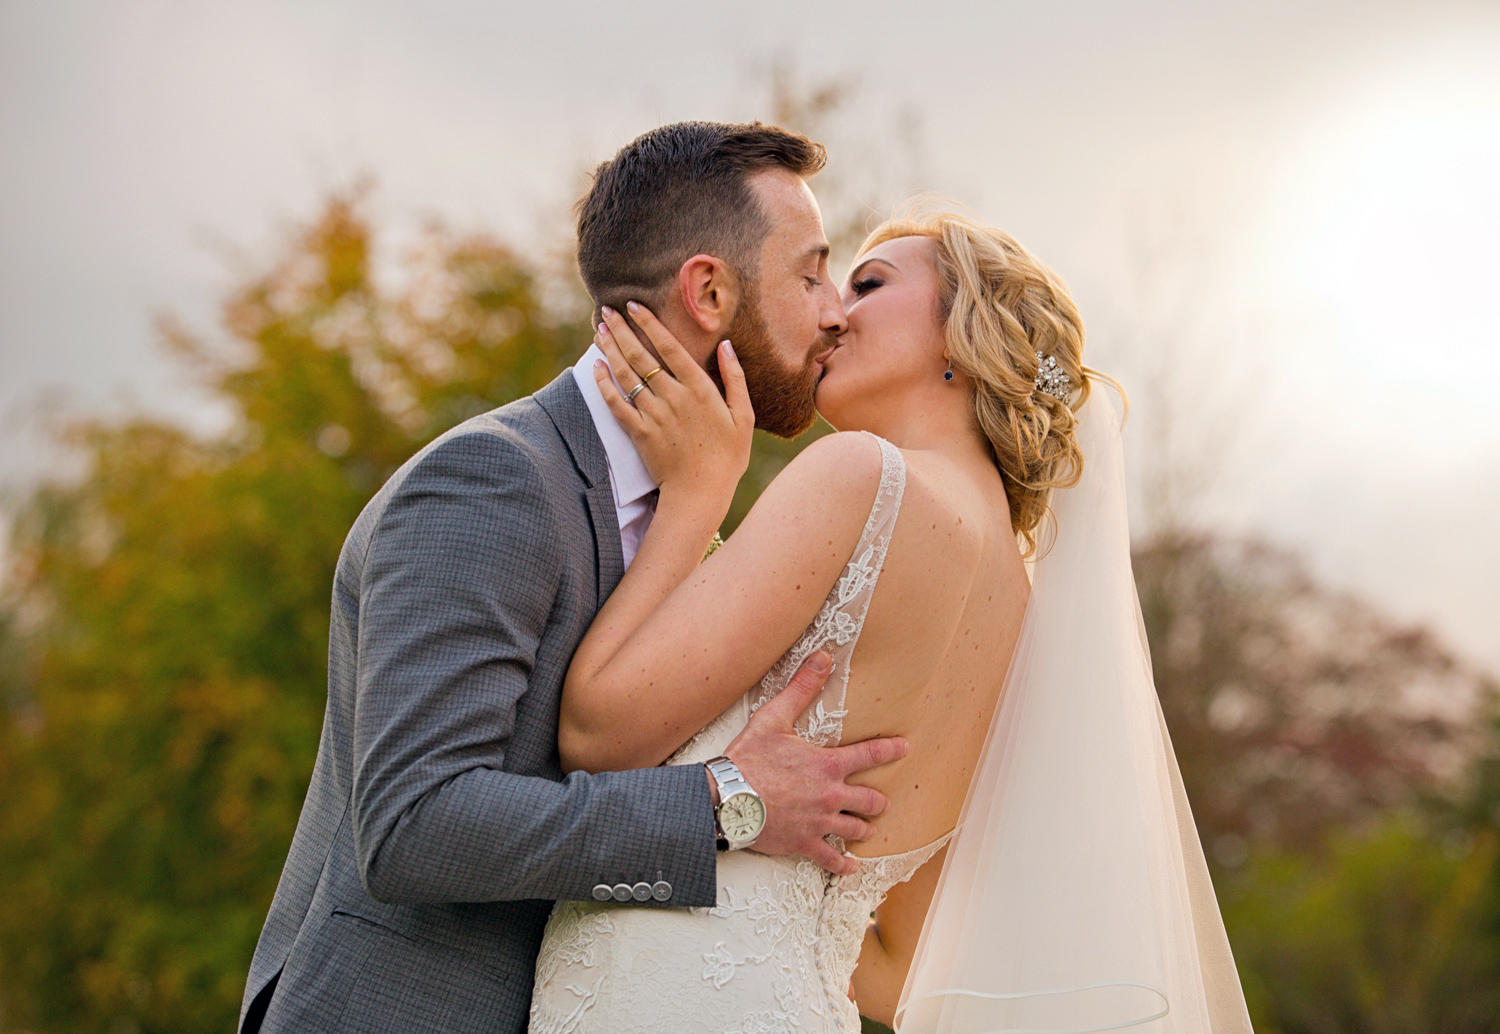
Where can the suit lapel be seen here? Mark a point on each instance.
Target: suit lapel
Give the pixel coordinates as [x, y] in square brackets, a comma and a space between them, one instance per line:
[564, 405]
[607, 537]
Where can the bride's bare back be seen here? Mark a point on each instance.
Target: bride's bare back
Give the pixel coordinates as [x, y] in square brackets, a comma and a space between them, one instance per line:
[936, 644]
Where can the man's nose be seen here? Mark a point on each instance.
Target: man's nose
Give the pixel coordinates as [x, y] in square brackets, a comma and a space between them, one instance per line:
[835, 321]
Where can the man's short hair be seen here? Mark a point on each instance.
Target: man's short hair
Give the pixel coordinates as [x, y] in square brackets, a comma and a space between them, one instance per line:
[676, 192]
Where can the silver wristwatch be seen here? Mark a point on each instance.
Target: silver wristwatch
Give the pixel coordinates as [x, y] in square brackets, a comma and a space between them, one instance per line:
[741, 814]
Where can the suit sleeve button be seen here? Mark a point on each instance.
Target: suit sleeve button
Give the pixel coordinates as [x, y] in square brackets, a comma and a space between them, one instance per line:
[602, 892]
[641, 891]
[622, 892]
[661, 890]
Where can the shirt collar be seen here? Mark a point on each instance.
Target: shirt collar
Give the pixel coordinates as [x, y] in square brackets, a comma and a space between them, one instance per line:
[628, 476]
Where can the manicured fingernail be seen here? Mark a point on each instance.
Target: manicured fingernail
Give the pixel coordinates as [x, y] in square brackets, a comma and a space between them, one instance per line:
[603, 329]
[606, 311]
[821, 661]
[632, 307]
[727, 346]
[598, 364]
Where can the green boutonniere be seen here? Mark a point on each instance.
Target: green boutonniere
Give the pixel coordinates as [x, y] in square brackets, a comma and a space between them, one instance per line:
[714, 544]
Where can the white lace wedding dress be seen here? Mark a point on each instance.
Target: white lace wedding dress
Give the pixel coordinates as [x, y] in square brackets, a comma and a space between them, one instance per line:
[777, 952]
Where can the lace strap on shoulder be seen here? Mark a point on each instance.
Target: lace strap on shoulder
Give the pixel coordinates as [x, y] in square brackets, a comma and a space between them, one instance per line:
[842, 616]
[888, 499]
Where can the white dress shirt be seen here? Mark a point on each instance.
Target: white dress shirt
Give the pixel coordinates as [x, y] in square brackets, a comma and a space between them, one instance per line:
[634, 488]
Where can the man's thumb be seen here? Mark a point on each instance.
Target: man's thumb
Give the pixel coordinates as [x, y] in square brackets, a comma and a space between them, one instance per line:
[793, 700]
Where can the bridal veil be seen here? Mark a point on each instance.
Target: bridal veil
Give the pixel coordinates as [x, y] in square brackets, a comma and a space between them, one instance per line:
[1075, 896]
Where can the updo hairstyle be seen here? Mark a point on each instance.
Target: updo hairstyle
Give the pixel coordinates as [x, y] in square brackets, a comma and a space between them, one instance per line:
[999, 306]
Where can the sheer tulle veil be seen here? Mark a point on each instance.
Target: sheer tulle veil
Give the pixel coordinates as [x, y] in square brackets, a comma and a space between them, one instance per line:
[1075, 896]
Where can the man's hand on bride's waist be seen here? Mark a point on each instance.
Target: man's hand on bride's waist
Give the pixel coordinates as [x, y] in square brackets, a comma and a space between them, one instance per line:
[804, 787]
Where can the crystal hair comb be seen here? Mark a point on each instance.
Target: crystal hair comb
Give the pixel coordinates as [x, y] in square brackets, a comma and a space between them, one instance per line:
[1051, 378]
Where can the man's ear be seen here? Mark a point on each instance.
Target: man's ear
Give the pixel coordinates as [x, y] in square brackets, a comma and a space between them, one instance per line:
[710, 292]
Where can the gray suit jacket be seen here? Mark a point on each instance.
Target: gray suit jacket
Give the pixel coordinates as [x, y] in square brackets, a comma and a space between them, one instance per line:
[439, 827]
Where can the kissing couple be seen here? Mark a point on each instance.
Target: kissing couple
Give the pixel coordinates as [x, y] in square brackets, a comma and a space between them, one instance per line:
[893, 749]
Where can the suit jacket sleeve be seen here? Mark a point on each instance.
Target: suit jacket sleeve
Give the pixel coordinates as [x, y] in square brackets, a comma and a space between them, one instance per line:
[458, 583]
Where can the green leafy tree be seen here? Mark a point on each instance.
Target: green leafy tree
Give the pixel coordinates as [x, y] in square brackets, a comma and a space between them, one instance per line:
[164, 647]
[1384, 932]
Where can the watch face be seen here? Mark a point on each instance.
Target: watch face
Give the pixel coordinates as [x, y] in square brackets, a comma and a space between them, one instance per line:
[742, 816]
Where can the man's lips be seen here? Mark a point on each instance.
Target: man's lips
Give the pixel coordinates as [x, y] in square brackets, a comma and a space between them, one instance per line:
[821, 368]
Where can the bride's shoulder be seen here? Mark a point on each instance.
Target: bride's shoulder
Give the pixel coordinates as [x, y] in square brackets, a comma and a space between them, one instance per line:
[833, 481]
[844, 463]
[853, 449]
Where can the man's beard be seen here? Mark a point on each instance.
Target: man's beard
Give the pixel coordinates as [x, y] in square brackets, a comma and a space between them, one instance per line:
[782, 395]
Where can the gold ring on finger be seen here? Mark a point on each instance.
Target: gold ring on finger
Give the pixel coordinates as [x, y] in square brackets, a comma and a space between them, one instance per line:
[633, 392]
[646, 379]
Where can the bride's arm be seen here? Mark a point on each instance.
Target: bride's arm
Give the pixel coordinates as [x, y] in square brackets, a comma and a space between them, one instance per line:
[721, 629]
[678, 642]
[696, 474]
[891, 942]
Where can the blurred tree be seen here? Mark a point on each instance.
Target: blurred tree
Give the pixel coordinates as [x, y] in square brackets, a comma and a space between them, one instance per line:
[1294, 709]
[172, 606]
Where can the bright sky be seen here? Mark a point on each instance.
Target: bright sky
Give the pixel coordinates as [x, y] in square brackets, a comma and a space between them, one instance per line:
[1299, 198]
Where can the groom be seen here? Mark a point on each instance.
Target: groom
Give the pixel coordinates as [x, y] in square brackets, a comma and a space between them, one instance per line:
[439, 826]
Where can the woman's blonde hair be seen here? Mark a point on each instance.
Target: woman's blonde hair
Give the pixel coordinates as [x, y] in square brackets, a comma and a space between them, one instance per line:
[1000, 306]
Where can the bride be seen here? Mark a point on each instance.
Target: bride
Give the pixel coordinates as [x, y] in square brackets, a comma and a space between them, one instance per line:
[959, 552]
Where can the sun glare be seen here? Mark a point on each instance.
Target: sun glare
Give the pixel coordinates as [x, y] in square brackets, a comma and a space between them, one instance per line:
[1398, 240]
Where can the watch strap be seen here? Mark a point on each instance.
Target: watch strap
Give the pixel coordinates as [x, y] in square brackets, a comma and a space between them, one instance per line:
[725, 773]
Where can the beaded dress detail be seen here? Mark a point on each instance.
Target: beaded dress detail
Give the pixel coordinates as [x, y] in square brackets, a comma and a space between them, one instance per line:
[776, 954]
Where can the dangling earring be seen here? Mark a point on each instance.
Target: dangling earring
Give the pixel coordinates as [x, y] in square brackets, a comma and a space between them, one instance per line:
[948, 376]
